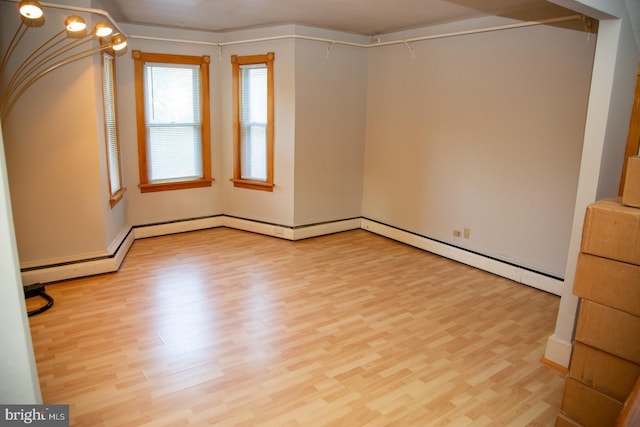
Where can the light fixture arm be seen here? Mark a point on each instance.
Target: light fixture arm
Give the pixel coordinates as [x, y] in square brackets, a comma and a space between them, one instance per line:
[34, 55]
[12, 45]
[52, 53]
[9, 101]
[18, 79]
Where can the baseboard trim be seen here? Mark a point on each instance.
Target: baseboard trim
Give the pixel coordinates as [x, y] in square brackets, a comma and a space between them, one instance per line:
[119, 248]
[558, 351]
[82, 268]
[322, 229]
[553, 365]
[481, 262]
[259, 227]
[173, 227]
[292, 233]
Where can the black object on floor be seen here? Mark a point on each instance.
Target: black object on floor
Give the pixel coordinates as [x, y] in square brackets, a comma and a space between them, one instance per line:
[37, 290]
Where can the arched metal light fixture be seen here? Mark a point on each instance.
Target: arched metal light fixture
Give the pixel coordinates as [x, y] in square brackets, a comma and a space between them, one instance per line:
[44, 59]
[51, 54]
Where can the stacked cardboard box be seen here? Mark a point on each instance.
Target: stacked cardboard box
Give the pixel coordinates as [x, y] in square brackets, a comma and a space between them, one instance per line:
[606, 357]
[631, 191]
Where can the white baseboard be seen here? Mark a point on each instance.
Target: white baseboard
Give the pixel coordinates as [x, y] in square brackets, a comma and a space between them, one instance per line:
[558, 351]
[512, 272]
[68, 271]
[542, 282]
[119, 248]
[63, 260]
[326, 228]
[280, 231]
[292, 233]
[82, 268]
[154, 230]
[123, 249]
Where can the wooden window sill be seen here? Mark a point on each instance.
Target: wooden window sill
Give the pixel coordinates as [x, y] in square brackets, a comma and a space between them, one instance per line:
[180, 185]
[115, 198]
[252, 185]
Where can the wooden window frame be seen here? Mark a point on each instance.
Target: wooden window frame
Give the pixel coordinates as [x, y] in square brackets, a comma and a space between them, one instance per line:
[238, 181]
[114, 197]
[139, 59]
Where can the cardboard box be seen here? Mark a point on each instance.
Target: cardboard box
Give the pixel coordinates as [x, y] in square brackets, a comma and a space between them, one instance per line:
[610, 330]
[630, 414]
[631, 190]
[602, 371]
[587, 406]
[612, 230]
[564, 421]
[608, 282]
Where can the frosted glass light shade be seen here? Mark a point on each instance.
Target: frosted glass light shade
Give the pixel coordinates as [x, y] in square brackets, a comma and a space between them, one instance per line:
[118, 42]
[102, 29]
[75, 24]
[30, 9]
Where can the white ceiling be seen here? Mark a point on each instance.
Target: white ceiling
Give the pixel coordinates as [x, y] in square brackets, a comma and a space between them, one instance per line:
[367, 17]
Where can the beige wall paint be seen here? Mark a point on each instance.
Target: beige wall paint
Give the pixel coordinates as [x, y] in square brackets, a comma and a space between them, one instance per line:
[115, 217]
[18, 372]
[611, 96]
[273, 207]
[603, 93]
[54, 150]
[222, 197]
[324, 103]
[150, 208]
[330, 128]
[483, 132]
[59, 160]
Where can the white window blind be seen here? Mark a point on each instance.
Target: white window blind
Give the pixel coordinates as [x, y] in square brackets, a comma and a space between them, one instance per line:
[111, 127]
[253, 122]
[173, 121]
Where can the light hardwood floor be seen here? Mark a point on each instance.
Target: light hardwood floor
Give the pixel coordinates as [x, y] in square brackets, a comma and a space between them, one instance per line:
[223, 327]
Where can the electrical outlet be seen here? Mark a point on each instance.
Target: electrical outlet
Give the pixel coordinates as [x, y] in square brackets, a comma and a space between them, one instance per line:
[467, 233]
[457, 233]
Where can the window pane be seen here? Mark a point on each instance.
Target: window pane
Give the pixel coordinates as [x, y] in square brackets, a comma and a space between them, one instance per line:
[253, 131]
[253, 116]
[173, 93]
[254, 93]
[113, 155]
[254, 152]
[173, 122]
[174, 153]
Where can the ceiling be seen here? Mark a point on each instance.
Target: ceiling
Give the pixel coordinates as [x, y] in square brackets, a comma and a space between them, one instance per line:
[366, 17]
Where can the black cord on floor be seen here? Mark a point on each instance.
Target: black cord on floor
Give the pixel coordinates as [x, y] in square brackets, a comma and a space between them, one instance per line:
[37, 289]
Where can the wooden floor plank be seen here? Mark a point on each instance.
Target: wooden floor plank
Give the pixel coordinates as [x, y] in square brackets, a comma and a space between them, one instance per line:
[224, 327]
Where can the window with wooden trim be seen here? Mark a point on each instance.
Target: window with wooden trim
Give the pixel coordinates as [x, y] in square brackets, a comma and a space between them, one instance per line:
[253, 131]
[172, 109]
[116, 190]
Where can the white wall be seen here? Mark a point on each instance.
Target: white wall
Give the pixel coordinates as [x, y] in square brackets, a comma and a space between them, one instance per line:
[56, 156]
[610, 99]
[275, 207]
[115, 224]
[76, 205]
[222, 197]
[330, 118]
[18, 373]
[484, 132]
[320, 123]
[155, 207]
